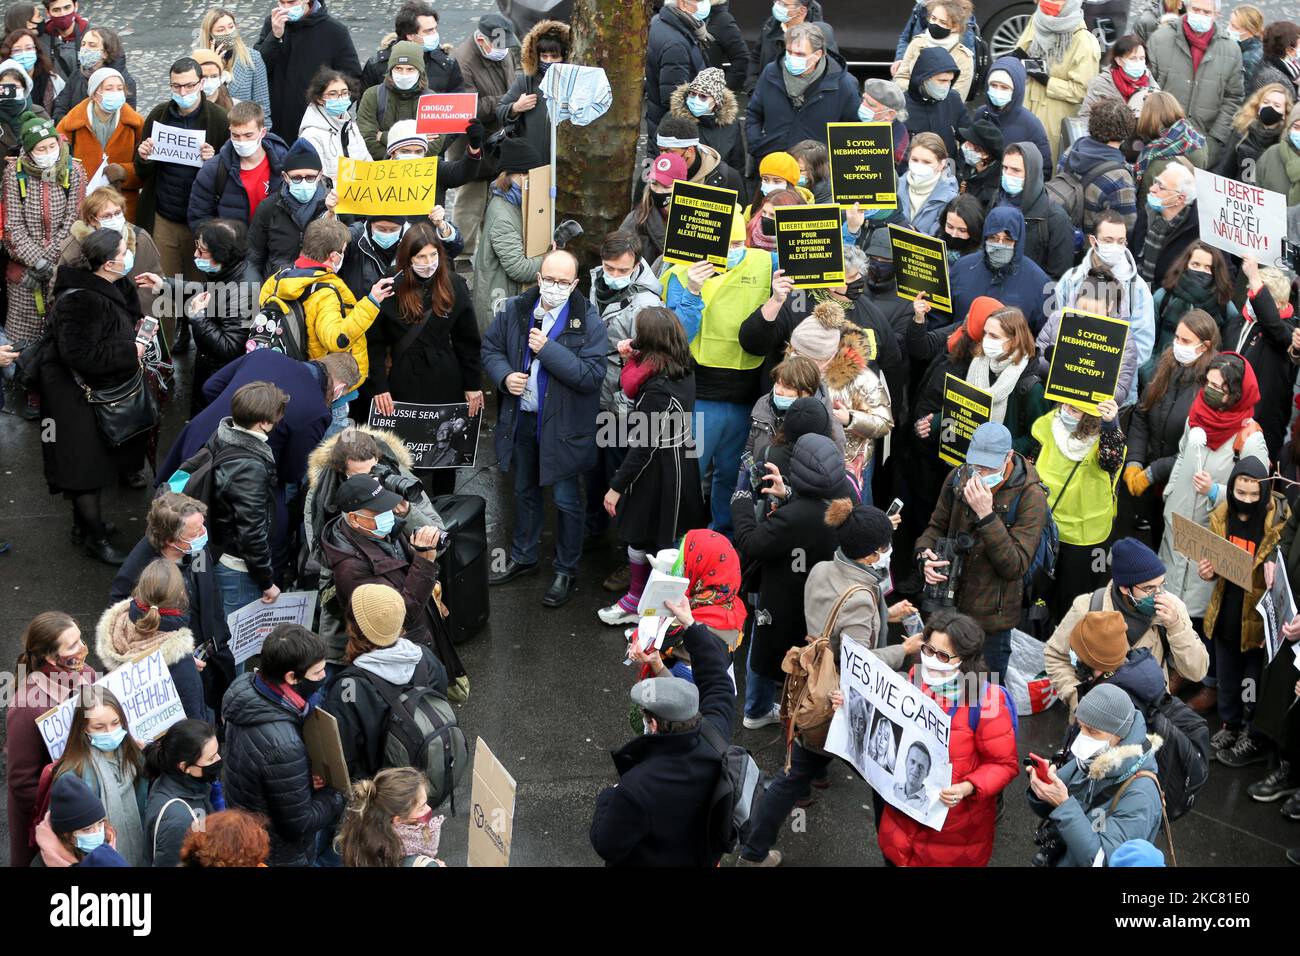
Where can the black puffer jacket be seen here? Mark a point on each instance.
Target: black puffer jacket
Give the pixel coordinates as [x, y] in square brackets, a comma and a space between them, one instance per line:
[674, 55]
[163, 837]
[728, 46]
[1264, 343]
[221, 329]
[441, 71]
[242, 510]
[268, 771]
[1154, 434]
[275, 236]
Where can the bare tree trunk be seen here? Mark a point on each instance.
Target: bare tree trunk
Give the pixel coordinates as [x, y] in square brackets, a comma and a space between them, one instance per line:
[596, 163]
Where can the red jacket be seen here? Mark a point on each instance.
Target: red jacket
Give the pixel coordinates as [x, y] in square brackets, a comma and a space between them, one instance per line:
[987, 759]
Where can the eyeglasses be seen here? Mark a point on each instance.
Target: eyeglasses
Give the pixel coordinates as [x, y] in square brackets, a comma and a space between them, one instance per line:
[337, 95]
[185, 87]
[298, 180]
[556, 283]
[940, 656]
[1146, 590]
[1118, 243]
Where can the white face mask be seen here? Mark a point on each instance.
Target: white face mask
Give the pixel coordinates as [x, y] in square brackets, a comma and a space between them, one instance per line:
[405, 81]
[246, 147]
[1185, 354]
[921, 173]
[1111, 255]
[993, 348]
[45, 160]
[117, 222]
[935, 673]
[1085, 748]
[553, 297]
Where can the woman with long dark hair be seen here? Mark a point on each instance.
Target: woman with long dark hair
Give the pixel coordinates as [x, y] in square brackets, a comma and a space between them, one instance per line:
[429, 331]
[23, 47]
[390, 823]
[183, 764]
[1200, 279]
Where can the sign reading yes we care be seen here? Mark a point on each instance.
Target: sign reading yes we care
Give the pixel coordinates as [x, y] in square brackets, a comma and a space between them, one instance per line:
[810, 245]
[392, 187]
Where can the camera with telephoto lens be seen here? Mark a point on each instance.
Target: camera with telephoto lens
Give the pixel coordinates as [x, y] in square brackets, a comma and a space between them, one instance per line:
[954, 551]
[1051, 845]
[397, 483]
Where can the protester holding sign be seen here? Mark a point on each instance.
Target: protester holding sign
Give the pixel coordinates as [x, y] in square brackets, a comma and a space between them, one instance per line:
[523, 106]
[501, 268]
[1262, 334]
[395, 98]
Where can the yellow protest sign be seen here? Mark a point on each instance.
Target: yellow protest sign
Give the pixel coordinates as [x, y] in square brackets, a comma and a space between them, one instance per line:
[392, 187]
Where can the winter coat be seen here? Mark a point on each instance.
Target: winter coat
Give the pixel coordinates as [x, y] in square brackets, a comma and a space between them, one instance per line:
[248, 81]
[928, 218]
[1187, 229]
[242, 510]
[925, 114]
[619, 314]
[177, 804]
[94, 336]
[120, 149]
[1017, 123]
[986, 758]
[772, 123]
[76, 85]
[1271, 70]
[442, 72]
[336, 322]
[1021, 284]
[860, 616]
[533, 125]
[659, 479]
[267, 771]
[1181, 498]
[333, 138]
[222, 172]
[1113, 190]
[501, 270]
[1067, 83]
[166, 186]
[674, 56]
[991, 588]
[1263, 341]
[1241, 160]
[141, 245]
[657, 815]
[575, 364]
[1252, 52]
[852, 381]
[728, 51]
[1137, 816]
[489, 79]
[275, 234]
[771, 43]
[1212, 95]
[25, 753]
[361, 710]
[221, 329]
[1103, 87]
[712, 171]
[1279, 168]
[1250, 629]
[118, 642]
[963, 57]
[317, 40]
[398, 105]
[1154, 433]
[1025, 405]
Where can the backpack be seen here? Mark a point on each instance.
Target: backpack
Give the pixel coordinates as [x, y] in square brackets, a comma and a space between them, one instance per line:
[1164, 810]
[1068, 189]
[281, 324]
[811, 676]
[973, 713]
[421, 731]
[196, 475]
[732, 805]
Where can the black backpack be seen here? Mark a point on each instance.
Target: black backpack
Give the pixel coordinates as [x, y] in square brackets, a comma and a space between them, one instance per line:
[1068, 190]
[196, 475]
[281, 324]
[731, 807]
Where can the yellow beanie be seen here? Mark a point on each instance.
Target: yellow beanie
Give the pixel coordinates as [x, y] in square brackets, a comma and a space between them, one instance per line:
[780, 164]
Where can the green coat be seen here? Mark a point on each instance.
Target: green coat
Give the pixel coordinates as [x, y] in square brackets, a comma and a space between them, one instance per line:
[1213, 94]
[501, 270]
[400, 106]
[1271, 171]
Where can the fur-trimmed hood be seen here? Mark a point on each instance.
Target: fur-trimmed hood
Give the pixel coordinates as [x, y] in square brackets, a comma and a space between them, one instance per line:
[318, 460]
[1116, 761]
[725, 113]
[117, 641]
[528, 60]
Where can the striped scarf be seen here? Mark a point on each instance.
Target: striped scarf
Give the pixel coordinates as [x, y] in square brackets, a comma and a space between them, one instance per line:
[1179, 140]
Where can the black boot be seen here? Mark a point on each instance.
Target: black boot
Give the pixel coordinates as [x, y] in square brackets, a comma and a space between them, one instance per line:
[101, 549]
[182, 343]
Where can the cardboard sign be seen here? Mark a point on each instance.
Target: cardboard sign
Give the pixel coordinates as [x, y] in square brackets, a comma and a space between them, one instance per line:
[862, 164]
[965, 408]
[445, 112]
[391, 187]
[921, 265]
[437, 436]
[1276, 607]
[810, 245]
[171, 144]
[250, 625]
[145, 690]
[537, 202]
[1241, 219]
[320, 733]
[894, 734]
[1086, 359]
[1230, 562]
[699, 224]
[492, 810]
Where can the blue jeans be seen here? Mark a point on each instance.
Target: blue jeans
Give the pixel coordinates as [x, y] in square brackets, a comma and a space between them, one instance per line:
[529, 503]
[779, 799]
[997, 651]
[236, 587]
[725, 427]
[760, 691]
[868, 473]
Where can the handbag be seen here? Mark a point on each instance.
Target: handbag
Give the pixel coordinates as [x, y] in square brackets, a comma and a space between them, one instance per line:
[123, 411]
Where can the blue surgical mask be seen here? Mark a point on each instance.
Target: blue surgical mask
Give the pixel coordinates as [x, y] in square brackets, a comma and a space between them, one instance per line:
[779, 14]
[735, 257]
[866, 114]
[697, 106]
[993, 480]
[385, 240]
[344, 400]
[803, 180]
[618, 283]
[998, 98]
[796, 65]
[972, 155]
[769, 188]
[89, 842]
[1069, 419]
[1294, 137]
[294, 13]
[1134, 68]
[1155, 202]
[702, 11]
[936, 89]
[112, 102]
[206, 265]
[128, 262]
[199, 543]
[1012, 185]
[110, 741]
[89, 58]
[187, 101]
[384, 522]
[303, 192]
[1199, 22]
[782, 402]
[338, 107]
[26, 59]
[432, 41]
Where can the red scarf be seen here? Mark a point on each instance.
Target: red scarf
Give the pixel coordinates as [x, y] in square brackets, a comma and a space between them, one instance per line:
[1199, 42]
[1222, 425]
[1126, 85]
[636, 372]
[302, 262]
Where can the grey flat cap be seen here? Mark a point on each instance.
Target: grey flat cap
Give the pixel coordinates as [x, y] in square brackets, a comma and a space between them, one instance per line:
[669, 698]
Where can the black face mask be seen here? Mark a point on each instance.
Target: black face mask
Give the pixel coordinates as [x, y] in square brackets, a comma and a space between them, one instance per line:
[211, 772]
[12, 107]
[939, 33]
[880, 273]
[1200, 280]
[661, 199]
[961, 245]
[1245, 508]
[306, 688]
[854, 289]
[1269, 116]
[768, 226]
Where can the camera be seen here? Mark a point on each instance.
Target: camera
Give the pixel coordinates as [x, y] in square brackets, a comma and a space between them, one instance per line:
[954, 551]
[1051, 845]
[397, 483]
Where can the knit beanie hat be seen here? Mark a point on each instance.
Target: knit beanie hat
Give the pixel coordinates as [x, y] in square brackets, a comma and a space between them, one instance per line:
[780, 164]
[813, 339]
[402, 133]
[73, 806]
[1108, 709]
[1132, 562]
[668, 168]
[380, 612]
[1136, 853]
[302, 155]
[518, 156]
[1100, 640]
[35, 131]
[710, 82]
[860, 530]
[806, 416]
[99, 76]
[406, 53]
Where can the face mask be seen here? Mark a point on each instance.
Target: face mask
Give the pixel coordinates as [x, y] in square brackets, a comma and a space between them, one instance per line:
[936, 89]
[383, 524]
[866, 114]
[26, 59]
[542, 68]
[186, 102]
[1155, 202]
[697, 106]
[993, 480]
[306, 689]
[768, 226]
[999, 256]
[423, 271]
[937, 32]
[246, 147]
[1085, 748]
[972, 156]
[211, 85]
[702, 11]
[108, 742]
[45, 160]
[128, 262]
[1294, 137]
[1235, 35]
[294, 13]
[782, 402]
[1200, 280]
[404, 81]
[496, 56]
[302, 192]
[999, 98]
[1145, 606]
[882, 562]
[89, 842]
[879, 273]
[659, 199]
[117, 222]
[1069, 420]
[993, 348]
[1109, 254]
[768, 188]
[935, 673]
[1215, 397]
[803, 180]
[224, 42]
[796, 65]
[338, 107]
[1012, 185]
[198, 544]
[1269, 116]
[921, 173]
[1185, 354]
[385, 240]
[779, 14]
[553, 297]
[432, 41]
[1134, 68]
[619, 283]
[735, 257]
[211, 772]
[89, 58]
[853, 290]
[1200, 23]
[112, 102]
[61, 23]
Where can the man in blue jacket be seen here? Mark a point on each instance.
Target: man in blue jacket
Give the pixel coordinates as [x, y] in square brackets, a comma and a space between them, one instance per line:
[932, 103]
[253, 155]
[1000, 269]
[796, 96]
[1006, 107]
[545, 350]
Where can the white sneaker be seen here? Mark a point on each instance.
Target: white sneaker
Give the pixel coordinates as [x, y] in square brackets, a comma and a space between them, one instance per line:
[771, 717]
[614, 614]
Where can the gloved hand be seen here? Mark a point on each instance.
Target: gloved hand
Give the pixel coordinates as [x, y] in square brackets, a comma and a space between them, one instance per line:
[475, 134]
[1137, 479]
[1036, 70]
[115, 173]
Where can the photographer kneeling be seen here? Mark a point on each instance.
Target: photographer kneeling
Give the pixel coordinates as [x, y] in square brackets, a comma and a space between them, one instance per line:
[982, 538]
[1112, 774]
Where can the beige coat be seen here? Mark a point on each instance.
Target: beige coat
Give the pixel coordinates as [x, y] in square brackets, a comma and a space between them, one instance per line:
[1067, 84]
[963, 57]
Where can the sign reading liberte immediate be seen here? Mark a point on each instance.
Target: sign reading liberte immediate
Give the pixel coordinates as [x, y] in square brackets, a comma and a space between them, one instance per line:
[921, 265]
[861, 157]
[699, 224]
[965, 408]
[810, 245]
[1086, 359]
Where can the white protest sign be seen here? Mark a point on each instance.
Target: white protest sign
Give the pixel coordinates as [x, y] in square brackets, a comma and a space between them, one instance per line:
[252, 622]
[1276, 607]
[145, 690]
[895, 735]
[171, 144]
[1241, 219]
[100, 178]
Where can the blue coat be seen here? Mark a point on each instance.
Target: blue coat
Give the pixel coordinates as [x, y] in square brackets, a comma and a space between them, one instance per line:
[772, 124]
[925, 115]
[1022, 284]
[926, 219]
[575, 363]
[232, 203]
[1016, 122]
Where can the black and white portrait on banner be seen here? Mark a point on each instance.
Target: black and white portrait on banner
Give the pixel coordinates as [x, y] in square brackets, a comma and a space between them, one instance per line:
[437, 436]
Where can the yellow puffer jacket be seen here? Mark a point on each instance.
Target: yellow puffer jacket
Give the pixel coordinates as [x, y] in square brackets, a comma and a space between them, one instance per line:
[1252, 625]
[335, 323]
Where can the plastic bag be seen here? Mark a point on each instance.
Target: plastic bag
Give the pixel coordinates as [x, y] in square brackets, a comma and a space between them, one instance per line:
[1027, 675]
